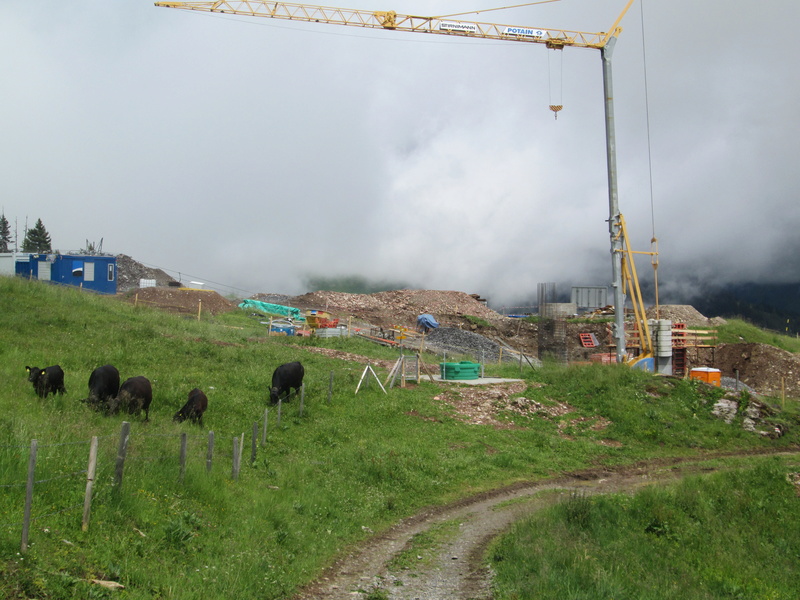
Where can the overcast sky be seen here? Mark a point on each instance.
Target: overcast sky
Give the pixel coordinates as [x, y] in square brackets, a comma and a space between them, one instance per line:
[252, 153]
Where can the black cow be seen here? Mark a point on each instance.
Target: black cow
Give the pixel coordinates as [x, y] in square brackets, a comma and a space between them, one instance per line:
[47, 381]
[135, 395]
[286, 377]
[103, 386]
[194, 408]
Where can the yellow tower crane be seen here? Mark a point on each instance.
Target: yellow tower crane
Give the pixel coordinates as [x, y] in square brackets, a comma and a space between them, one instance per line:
[447, 25]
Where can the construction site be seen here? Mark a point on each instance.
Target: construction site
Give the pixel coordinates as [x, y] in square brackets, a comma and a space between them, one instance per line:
[676, 340]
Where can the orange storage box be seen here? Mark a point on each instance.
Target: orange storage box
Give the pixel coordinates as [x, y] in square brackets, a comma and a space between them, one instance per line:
[707, 374]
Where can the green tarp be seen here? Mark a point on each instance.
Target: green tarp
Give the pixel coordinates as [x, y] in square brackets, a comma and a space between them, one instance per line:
[274, 309]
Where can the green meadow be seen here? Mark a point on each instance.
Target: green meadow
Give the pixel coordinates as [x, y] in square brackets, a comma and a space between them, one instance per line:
[324, 479]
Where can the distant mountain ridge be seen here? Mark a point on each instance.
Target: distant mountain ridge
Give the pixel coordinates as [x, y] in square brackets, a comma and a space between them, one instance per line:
[774, 306]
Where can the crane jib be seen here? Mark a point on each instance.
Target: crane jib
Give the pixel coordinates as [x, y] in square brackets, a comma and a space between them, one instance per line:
[450, 26]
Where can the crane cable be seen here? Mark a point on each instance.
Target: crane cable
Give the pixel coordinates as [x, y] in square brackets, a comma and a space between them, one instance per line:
[654, 239]
[556, 104]
[477, 12]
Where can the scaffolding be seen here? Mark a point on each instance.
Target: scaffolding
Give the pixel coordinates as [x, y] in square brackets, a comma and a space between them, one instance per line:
[552, 325]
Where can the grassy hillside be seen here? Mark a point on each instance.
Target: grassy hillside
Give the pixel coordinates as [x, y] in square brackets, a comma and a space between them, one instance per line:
[737, 331]
[733, 534]
[324, 480]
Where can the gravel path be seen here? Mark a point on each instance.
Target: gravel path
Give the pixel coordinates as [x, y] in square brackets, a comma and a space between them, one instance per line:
[458, 570]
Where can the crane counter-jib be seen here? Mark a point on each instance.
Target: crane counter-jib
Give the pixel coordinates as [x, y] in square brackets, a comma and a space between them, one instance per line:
[391, 20]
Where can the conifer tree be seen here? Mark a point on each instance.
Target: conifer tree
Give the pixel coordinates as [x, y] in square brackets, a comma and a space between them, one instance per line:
[5, 234]
[37, 239]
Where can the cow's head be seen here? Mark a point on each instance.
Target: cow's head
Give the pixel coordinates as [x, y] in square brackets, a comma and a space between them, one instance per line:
[34, 373]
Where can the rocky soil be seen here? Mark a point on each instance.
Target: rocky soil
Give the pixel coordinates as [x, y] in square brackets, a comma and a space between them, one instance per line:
[684, 313]
[401, 306]
[769, 370]
[180, 300]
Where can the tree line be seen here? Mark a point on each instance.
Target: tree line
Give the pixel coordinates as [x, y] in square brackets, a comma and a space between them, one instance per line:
[37, 239]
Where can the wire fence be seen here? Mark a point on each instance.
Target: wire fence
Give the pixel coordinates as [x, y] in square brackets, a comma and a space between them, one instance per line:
[54, 475]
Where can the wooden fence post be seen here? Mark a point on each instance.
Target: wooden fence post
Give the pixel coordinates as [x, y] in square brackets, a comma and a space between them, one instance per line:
[199, 308]
[182, 458]
[90, 473]
[237, 458]
[210, 453]
[254, 443]
[302, 397]
[280, 405]
[26, 520]
[783, 393]
[330, 388]
[122, 451]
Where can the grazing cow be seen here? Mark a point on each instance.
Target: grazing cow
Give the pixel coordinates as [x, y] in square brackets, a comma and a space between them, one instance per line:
[135, 395]
[194, 408]
[47, 381]
[286, 377]
[103, 386]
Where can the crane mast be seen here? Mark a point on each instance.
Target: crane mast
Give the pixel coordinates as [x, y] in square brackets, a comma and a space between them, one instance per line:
[552, 38]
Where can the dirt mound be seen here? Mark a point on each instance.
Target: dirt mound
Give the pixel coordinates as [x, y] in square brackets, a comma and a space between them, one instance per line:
[181, 300]
[760, 366]
[400, 306]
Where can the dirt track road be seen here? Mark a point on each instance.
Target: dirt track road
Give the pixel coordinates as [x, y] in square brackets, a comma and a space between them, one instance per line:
[458, 571]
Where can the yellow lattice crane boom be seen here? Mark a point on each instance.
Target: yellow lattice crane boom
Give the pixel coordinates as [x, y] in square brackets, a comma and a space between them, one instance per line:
[445, 25]
[408, 23]
[630, 282]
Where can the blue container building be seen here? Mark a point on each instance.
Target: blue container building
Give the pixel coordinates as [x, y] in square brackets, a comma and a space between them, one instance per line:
[95, 273]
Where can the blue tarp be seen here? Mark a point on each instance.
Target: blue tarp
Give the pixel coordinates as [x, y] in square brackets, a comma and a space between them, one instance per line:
[426, 322]
[275, 309]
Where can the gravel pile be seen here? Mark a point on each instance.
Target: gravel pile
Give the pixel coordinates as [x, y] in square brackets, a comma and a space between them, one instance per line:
[729, 383]
[684, 313]
[458, 341]
[400, 307]
[130, 272]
